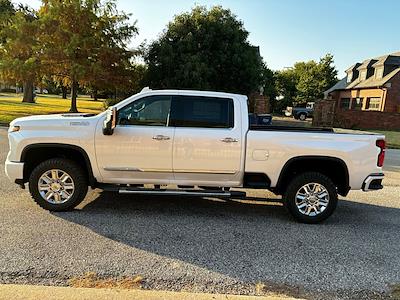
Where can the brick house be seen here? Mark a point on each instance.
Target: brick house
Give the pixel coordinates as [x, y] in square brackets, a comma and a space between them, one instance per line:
[368, 96]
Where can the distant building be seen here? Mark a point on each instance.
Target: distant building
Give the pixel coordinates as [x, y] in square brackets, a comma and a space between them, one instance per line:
[367, 98]
[372, 85]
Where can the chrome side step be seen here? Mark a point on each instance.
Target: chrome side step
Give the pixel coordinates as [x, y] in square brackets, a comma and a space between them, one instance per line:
[174, 192]
[177, 193]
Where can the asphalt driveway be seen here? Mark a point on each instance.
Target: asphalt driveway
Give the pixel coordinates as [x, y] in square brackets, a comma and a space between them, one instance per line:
[205, 245]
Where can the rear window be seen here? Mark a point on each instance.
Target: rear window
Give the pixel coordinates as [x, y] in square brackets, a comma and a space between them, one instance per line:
[205, 112]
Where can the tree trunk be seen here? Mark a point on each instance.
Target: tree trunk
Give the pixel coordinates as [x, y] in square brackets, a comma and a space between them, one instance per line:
[28, 92]
[74, 94]
[64, 92]
[95, 97]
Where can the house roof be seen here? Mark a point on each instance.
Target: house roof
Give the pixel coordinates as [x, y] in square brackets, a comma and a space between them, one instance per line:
[367, 64]
[340, 85]
[373, 82]
[390, 59]
[355, 66]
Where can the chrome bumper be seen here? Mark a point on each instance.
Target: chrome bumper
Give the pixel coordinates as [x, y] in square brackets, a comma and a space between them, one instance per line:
[373, 182]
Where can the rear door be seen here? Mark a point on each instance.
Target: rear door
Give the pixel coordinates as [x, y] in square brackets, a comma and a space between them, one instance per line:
[208, 140]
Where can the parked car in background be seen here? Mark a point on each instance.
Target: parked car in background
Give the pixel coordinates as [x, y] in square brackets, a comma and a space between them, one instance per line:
[302, 113]
[262, 119]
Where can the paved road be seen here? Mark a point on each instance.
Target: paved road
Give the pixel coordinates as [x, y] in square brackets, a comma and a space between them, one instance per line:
[392, 160]
[205, 245]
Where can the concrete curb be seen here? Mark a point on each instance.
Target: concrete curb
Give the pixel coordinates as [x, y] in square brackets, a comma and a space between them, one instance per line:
[33, 292]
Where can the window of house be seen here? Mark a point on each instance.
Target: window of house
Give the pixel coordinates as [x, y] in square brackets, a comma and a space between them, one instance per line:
[345, 103]
[357, 103]
[373, 103]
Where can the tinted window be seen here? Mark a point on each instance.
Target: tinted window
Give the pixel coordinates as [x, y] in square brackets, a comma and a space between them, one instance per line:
[206, 112]
[149, 111]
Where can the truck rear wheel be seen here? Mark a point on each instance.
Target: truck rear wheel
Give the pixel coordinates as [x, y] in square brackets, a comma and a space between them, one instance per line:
[311, 197]
[58, 184]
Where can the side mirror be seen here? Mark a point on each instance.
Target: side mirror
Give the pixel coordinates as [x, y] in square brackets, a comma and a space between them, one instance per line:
[110, 121]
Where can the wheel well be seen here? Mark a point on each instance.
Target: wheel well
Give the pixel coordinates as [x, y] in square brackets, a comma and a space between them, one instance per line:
[332, 167]
[33, 155]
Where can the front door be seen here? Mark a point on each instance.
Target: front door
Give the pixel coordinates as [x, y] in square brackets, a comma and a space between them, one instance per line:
[140, 150]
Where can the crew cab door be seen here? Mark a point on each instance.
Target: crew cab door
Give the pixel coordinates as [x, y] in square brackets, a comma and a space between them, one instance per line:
[140, 149]
[208, 140]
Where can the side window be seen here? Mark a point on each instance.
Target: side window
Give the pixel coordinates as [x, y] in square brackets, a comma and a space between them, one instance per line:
[148, 111]
[205, 112]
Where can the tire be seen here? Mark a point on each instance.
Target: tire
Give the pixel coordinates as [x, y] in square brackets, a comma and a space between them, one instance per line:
[302, 117]
[50, 174]
[314, 207]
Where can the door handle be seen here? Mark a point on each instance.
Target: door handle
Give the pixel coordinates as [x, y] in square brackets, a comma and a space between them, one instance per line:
[160, 137]
[229, 140]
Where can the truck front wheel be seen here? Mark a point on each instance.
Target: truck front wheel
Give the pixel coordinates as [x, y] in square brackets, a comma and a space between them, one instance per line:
[311, 197]
[58, 184]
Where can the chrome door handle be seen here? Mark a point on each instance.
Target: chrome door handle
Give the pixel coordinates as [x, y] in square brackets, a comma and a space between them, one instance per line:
[229, 140]
[160, 137]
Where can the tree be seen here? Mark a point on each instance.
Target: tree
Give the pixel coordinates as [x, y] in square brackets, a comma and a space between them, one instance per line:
[204, 49]
[314, 78]
[19, 51]
[84, 39]
[269, 86]
[306, 81]
[285, 83]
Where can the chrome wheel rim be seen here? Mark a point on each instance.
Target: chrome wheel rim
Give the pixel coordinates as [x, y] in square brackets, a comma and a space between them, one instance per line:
[312, 199]
[56, 186]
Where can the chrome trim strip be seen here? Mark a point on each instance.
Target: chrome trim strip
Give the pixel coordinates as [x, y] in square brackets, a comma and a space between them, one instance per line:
[122, 169]
[132, 169]
[205, 172]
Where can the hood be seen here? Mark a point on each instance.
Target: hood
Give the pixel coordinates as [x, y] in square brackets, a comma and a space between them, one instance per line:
[52, 122]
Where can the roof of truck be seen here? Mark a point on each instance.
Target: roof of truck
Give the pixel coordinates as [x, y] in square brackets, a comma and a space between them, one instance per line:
[191, 92]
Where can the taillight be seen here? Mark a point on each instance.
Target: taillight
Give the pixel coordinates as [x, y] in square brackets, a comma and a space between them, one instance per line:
[381, 157]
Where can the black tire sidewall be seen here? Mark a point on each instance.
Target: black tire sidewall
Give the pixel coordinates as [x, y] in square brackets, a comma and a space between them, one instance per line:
[73, 169]
[297, 183]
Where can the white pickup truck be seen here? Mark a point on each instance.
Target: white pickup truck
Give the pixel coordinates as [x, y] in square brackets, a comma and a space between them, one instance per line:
[189, 143]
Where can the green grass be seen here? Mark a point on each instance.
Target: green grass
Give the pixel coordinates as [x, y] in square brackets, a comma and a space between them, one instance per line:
[11, 106]
[392, 138]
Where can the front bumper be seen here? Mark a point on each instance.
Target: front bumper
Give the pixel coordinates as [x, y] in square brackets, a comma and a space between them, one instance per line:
[373, 182]
[14, 170]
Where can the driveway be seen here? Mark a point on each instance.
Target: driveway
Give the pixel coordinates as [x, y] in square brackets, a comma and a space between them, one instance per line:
[206, 245]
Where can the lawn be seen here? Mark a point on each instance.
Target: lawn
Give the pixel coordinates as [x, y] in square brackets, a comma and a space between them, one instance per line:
[11, 106]
[392, 137]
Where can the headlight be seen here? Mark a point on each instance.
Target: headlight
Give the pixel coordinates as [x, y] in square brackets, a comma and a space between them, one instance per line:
[14, 128]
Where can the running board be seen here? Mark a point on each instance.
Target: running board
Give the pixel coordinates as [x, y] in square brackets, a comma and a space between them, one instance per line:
[171, 192]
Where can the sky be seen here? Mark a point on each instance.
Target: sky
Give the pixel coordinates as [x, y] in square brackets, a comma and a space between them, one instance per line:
[289, 31]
